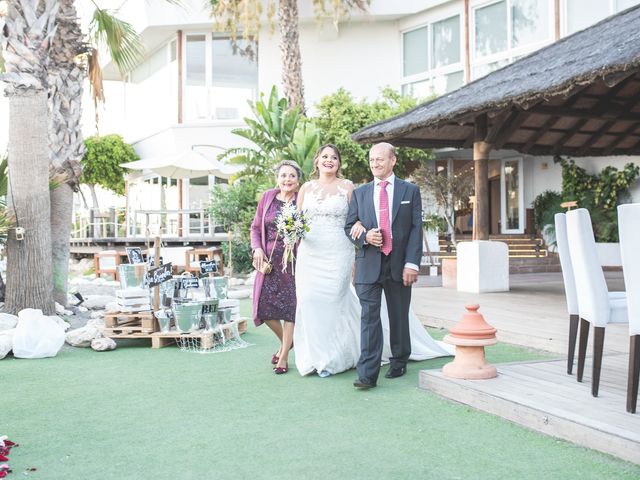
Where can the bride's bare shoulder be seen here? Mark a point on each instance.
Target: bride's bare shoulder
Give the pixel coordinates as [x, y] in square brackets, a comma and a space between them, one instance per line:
[346, 184]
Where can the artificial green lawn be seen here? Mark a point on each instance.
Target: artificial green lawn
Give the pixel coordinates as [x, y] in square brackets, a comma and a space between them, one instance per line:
[138, 413]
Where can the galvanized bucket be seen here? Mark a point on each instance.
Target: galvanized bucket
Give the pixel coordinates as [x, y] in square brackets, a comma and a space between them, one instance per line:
[187, 316]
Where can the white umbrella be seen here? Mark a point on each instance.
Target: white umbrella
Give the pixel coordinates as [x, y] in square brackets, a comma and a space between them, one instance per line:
[189, 164]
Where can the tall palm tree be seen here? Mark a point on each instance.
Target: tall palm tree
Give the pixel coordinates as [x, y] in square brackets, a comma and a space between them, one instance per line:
[28, 29]
[235, 16]
[73, 57]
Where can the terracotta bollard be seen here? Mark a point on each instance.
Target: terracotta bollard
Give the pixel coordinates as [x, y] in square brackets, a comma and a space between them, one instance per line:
[470, 337]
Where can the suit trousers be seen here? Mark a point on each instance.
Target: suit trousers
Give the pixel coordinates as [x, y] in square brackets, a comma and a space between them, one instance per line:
[398, 302]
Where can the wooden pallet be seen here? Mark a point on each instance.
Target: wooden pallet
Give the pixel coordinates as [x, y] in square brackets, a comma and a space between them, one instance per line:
[206, 339]
[121, 330]
[118, 320]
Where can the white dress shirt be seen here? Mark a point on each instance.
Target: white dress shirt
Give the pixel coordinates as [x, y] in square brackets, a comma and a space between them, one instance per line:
[376, 204]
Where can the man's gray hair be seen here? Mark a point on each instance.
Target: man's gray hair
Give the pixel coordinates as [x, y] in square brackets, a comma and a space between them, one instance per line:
[288, 163]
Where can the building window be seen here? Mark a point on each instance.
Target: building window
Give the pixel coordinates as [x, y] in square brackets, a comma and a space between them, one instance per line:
[218, 83]
[580, 14]
[507, 29]
[432, 56]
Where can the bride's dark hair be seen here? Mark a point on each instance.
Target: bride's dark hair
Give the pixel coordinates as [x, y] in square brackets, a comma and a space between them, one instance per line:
[315, 172]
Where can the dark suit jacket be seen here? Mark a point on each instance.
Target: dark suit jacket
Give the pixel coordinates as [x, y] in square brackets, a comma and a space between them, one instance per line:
[406, 228]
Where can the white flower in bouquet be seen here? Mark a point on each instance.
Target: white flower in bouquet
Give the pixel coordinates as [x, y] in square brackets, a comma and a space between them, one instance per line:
[292, 225]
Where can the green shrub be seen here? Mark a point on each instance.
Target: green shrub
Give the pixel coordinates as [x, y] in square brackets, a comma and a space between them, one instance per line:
[241, 255]
[545, 206]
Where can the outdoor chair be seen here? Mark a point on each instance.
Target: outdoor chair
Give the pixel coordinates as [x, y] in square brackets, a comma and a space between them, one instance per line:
[629, 229]
[569, 285]
[597, 306]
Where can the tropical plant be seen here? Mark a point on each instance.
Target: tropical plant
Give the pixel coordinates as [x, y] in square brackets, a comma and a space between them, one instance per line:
[102, 160]
[600, 194]
[26, 35]
[339, 115]
[234, 16]
[449, 191]
[278, 132]
[545, 206]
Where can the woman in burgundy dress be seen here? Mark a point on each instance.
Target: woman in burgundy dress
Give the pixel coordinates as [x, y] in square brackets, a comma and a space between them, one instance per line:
[274, 294]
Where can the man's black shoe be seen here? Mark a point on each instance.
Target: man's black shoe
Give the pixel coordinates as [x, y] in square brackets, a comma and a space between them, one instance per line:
[395, 372]
[364, 383]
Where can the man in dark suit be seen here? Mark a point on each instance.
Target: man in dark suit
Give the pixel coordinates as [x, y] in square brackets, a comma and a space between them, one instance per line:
[387, 259]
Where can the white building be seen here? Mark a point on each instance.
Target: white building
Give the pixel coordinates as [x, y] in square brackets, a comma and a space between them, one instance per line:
[191, 90]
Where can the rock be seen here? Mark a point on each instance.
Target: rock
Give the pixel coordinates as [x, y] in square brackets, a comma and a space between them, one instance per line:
[99, 281]
[6, 342]
[250, 279]
[82, 309]
[8, 321]
[59, 309]
[82, 337]
[239, 294]
[103, 344]
[96, 322]
[234, 282]
[60, 321]
[112, 307]
[98, 302]
[98, 314]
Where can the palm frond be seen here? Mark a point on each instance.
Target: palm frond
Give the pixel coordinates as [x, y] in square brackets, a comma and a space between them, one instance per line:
[120, 38]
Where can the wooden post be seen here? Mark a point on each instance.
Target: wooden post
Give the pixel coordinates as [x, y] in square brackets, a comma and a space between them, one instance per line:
[156, 256]
[481, 151]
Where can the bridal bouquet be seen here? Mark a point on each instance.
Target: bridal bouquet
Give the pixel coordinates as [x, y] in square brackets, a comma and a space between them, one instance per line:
[292, 225]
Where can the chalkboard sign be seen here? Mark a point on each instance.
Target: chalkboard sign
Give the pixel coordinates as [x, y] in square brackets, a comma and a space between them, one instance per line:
[209, 266]
[134, 254]
[158, 275]
[189, 282]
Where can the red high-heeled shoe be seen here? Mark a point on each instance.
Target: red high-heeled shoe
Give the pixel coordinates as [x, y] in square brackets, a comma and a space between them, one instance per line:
[281, 370]
[275, 359]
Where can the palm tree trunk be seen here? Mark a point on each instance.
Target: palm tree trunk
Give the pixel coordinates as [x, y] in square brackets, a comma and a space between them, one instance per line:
[29, 270]
[65, 76]
[61, 215]
[290, 50]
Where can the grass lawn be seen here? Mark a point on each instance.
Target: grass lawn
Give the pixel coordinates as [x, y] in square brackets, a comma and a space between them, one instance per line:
[138, 413]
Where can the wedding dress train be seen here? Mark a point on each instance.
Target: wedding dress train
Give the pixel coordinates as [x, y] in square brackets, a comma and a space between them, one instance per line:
[327, 330]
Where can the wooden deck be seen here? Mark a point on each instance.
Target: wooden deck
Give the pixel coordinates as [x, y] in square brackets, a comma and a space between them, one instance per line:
[540, 395]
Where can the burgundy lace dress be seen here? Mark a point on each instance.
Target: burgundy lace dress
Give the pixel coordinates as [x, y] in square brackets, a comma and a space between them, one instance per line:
[278, 295]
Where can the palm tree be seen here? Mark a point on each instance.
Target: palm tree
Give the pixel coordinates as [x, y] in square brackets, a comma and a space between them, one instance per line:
[72, 59]
[27, 33]
[234, 16]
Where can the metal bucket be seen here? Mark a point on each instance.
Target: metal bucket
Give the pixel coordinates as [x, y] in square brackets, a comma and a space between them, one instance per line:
[224, 315]
[210, 313]
[131, 275]
[221, 285]
[164, 321]
[187, 316]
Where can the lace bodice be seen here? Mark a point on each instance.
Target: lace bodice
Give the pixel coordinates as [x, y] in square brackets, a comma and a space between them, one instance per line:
[326, 207]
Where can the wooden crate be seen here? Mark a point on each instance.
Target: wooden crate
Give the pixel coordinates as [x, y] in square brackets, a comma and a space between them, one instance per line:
[118, 320]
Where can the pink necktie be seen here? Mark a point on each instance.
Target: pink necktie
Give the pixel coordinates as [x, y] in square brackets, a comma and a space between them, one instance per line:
[385, 224]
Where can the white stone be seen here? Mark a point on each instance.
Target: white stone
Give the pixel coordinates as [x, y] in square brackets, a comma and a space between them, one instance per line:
[97, 314]
[234, 282]
[112, 307]
[103, 344]
[238, 294]
[482, 266]
[82, 337]
[59, 309]
[250, 279]
[6, 342]
[99, 281]
[60, 321]
[8, 321]
[91, 276]
[98, 302]
[96, 322]
[82, 309]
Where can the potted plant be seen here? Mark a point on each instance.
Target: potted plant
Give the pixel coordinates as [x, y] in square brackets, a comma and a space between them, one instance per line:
[432, 223]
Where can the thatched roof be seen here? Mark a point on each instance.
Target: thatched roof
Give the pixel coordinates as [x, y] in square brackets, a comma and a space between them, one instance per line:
[579, 96]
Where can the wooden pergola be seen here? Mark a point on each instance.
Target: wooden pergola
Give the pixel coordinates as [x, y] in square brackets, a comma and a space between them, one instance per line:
[579, 96]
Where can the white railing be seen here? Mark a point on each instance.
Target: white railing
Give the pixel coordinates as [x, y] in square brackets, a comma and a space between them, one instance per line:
[113, 223]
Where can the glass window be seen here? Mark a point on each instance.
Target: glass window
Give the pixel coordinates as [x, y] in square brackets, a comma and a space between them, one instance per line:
[448, 83]
[512, 194]
[196, 60]
[415, 49]
[234, 79]
[583, 13]
[420, 90]
[530, 21]
[624, 4]
[491, 29]
[445, 42]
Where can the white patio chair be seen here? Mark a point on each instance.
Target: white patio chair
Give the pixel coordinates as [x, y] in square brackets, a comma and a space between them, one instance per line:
[569, 285]
[597, 306]
[629, 229]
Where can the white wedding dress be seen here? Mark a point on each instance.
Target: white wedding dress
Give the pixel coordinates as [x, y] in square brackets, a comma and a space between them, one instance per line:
[327, 328]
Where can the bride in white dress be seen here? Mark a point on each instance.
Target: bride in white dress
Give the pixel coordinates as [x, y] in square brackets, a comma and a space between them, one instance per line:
[327, 327]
